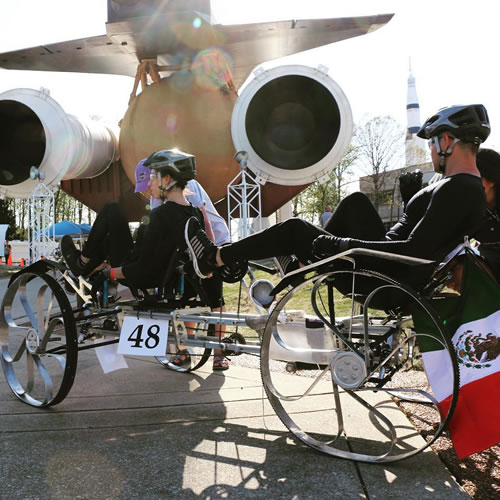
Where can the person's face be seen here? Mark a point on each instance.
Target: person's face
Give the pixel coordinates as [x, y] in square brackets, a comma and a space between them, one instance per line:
[154, 186]
[489, 190]
[434, 156]
[444, 142]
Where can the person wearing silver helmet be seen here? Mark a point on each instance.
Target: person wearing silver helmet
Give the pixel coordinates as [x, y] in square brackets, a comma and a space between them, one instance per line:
[217, 230]
[436, 220]
[110, 248]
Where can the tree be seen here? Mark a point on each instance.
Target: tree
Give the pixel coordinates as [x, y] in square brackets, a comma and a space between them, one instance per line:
[312, 202]
[379, 142]
[67, 208]
[7, 216]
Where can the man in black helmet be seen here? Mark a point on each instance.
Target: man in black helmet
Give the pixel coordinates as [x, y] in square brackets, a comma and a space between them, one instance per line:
[437, 218]
[143, 264]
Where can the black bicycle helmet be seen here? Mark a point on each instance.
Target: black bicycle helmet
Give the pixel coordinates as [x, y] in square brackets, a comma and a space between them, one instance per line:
[179, 165]
[468, 123]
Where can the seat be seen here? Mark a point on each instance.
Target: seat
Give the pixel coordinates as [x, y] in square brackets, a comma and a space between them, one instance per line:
[176, 291]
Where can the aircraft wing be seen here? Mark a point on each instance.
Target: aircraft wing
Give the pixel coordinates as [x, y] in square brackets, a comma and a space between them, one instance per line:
[96, 54]
[127, 42]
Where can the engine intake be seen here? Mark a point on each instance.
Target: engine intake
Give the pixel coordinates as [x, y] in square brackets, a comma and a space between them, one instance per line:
[294, 121]
[36, 132]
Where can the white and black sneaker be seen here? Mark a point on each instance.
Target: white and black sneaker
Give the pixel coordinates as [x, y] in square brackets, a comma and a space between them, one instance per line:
[202, 249]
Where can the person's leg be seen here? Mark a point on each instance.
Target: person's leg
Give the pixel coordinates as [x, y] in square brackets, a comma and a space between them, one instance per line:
[214, 290]
[356, 217]
[110, 236]
[293, 236]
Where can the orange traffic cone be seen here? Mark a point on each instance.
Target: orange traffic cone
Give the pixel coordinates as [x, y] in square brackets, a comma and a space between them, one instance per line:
[9, 260]
[22, 264]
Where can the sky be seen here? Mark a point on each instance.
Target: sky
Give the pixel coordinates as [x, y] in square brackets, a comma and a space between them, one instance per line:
[452, 44]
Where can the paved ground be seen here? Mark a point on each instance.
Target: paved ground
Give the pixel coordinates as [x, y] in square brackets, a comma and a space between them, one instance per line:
[147, 432]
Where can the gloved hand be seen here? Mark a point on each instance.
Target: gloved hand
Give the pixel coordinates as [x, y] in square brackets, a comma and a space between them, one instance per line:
[410, 183]
[326, 246]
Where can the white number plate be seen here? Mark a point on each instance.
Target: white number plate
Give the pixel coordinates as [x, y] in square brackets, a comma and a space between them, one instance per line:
[143, 336]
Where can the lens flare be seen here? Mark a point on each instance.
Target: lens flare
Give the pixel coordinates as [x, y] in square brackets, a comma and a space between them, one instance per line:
[196, 22]
[212, 68]
[171, 122]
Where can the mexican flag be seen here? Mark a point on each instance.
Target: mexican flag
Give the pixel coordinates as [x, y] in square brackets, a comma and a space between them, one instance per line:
[473, 322]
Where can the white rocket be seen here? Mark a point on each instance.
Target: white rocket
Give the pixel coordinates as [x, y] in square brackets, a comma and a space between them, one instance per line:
[415, 147]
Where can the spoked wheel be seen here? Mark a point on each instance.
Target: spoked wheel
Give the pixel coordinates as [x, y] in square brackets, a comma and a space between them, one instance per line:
[38, 340]
[186, 359]
[359, 371]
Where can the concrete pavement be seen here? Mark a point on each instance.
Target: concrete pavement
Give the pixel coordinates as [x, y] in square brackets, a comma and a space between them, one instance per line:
[147, 432]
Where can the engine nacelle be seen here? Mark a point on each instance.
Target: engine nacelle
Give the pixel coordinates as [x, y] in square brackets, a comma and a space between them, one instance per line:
[35, 131]
[294, 121]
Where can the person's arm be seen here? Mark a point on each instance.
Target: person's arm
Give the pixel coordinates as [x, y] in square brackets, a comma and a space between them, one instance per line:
[410, 183]
[450, 216]
[208, 225]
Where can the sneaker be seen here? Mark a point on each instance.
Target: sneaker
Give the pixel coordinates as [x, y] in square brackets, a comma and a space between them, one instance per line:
[71, 256]
[201, 248]
[220, 363]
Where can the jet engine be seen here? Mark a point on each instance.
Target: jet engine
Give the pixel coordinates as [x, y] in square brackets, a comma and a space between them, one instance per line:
[295, 123]
[36, 132]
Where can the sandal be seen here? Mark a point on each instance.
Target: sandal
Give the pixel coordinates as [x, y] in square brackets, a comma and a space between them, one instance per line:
[220, 363]
[182, 359]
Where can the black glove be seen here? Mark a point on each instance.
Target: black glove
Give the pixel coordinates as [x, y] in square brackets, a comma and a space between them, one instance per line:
[326, 246]
[410, 183]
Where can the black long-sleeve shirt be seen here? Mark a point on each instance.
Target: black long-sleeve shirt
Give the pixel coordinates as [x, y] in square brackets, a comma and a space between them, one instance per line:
[436, 219]
[163, 235]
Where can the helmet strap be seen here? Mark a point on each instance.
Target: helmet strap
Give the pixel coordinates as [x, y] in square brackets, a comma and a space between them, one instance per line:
[168, 187]
[444, 154]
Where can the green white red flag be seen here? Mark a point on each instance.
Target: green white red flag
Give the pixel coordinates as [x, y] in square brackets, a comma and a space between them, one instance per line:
[473, 320]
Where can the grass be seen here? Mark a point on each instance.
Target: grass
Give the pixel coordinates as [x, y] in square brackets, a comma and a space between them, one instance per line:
[235, 295]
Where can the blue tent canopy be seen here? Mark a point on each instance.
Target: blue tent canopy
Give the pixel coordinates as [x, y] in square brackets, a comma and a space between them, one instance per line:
[66, 227]
[85, 228]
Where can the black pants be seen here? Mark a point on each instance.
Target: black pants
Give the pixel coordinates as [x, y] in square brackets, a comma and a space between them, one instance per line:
[110, 240]
[355, 217]
[110, 237]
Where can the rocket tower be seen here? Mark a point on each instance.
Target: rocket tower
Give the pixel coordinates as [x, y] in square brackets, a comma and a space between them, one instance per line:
[415, 147]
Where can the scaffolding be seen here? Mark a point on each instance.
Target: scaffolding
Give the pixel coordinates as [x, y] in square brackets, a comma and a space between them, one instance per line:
[243, 201]
[41, 217]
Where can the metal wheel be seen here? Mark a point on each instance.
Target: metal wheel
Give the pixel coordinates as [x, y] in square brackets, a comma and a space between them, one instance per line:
[38, 340]
[363, 370]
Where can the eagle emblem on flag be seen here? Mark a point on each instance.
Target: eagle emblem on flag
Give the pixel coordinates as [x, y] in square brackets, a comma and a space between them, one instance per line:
[476, 351]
